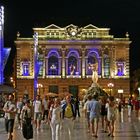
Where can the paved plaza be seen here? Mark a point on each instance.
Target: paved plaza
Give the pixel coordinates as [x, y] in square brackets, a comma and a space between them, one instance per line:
[126, 128]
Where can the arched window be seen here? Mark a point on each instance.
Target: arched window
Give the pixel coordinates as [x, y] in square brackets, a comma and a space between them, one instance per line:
[53, 65]
[92, 58]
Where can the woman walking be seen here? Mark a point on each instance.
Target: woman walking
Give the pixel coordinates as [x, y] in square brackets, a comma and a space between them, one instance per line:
[103, 114]
[26, 117]
[55, 118]
[111, 115]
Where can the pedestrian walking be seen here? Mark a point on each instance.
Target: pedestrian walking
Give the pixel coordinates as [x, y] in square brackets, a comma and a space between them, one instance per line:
[45, 109]
[10, 113]
[68, 116]
[26, 118]
[87, 112]
[55, 119]
[111, 115]
[129, 107]
[77, 104]
[20, 104]
[37, 104]
[94, 107]
[103, 114]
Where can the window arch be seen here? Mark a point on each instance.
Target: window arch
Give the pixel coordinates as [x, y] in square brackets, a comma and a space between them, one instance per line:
[92, 58]
[73, 64]
[53, 63]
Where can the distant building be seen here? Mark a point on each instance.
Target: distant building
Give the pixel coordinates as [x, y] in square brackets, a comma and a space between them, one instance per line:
[64, 57]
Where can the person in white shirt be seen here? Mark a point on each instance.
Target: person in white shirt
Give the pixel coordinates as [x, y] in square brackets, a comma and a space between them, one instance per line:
[37, 112]
[55, 118]
[87, 112]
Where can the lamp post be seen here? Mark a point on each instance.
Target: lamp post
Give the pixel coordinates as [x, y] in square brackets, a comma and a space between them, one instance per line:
[35, 63]
[39, 87]
[1, 43]
[110, 85]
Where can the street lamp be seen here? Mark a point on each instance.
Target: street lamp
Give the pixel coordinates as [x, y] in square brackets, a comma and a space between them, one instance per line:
[110, 85]
[35, 63]
[39, 86]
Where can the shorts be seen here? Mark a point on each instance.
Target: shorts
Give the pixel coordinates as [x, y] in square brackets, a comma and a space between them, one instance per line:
[9, 124]
[38, 116]
[94, 120]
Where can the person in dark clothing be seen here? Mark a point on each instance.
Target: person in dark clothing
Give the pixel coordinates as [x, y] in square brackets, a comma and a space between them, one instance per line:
[26, 117]
[77, 111]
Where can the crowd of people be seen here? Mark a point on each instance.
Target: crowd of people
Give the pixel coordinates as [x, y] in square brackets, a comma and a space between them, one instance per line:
[60, 113]
[31, 112]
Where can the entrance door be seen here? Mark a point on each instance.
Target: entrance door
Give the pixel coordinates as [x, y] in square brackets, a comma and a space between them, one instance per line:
[53, 89]
[73, 90]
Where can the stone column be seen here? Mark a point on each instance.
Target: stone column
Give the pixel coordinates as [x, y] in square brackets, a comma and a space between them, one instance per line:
[111, 60]
[63, 62]
[127, 62]
[44, 64]
[102, 64]
[83, 72]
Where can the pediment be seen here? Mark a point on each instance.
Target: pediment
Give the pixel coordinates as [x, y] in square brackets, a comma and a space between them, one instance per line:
[71, 26]
[52, 26]
[90, 26]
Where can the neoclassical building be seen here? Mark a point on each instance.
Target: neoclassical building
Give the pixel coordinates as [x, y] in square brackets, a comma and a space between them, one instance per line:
[64, 56]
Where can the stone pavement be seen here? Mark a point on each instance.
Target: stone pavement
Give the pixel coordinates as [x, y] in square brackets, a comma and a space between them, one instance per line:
[126, 128]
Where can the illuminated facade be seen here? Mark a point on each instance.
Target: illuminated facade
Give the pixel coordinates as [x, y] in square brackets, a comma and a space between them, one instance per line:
[64, 56]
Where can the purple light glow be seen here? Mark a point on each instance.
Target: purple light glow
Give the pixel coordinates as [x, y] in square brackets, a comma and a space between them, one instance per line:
[120, 67]
[53, 52]
[93, 52]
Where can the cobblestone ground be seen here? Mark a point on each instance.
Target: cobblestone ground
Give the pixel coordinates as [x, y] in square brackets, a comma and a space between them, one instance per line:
[126, 128]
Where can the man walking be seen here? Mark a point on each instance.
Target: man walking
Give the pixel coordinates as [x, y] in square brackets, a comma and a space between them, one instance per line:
[94, 107]
[10, 113]
[68, 115]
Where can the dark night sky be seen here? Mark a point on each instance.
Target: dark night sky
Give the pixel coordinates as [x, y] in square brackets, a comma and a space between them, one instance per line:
[120, 16]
